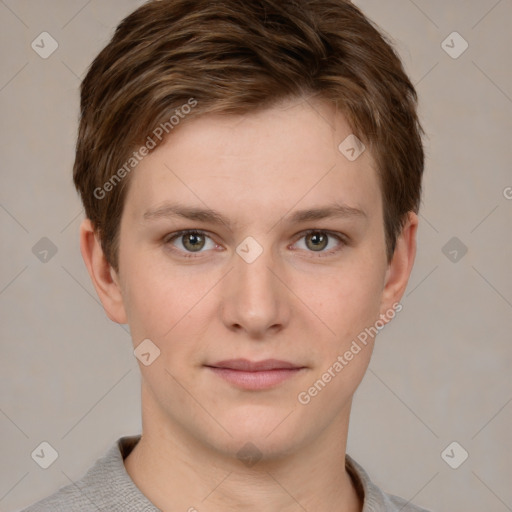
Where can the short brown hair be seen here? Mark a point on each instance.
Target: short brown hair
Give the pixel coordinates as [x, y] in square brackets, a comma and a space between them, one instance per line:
[234, 57]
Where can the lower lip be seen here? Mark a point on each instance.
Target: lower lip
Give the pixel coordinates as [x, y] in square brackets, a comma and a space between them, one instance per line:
[255, 380]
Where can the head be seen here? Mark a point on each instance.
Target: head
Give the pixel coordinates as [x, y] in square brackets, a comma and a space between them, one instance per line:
[230, 118]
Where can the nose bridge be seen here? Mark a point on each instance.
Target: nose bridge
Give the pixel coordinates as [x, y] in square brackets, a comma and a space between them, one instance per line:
[255, 278]
[254, 299]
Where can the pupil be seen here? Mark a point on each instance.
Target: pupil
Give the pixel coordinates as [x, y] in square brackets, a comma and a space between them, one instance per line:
[318, 241]
[194, 242]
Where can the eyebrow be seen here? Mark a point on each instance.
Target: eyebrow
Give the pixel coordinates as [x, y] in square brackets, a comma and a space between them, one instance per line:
[187, 212]
[207, 215]
[330, 211]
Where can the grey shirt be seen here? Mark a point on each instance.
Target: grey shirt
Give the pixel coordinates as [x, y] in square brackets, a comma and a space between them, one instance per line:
[108, 487]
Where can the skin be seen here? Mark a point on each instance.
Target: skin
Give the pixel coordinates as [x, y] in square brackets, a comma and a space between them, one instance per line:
[292, 303]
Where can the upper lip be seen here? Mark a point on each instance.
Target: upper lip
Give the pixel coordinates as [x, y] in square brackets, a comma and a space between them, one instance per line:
[255, 366]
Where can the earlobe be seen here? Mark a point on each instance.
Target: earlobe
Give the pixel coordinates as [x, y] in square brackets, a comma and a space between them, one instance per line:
[103, 276]
[400, 266]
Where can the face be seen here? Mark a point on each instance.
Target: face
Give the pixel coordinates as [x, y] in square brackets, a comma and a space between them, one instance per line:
[253, 238]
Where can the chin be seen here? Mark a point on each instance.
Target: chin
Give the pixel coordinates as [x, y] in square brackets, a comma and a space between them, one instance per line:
[259, 435]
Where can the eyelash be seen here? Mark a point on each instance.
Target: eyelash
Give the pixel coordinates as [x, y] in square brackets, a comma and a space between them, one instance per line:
[186, 254]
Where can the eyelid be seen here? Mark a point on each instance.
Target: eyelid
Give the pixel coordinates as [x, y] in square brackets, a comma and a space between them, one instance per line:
[335, 234]
[342, 239]
[176, 234]
[171, 237]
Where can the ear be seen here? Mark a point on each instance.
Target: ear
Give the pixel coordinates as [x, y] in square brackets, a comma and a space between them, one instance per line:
[103, 276]
[400, 267]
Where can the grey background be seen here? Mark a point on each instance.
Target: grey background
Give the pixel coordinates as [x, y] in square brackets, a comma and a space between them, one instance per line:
[441, 370]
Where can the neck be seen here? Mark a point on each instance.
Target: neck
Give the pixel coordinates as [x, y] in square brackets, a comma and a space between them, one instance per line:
[178, 472]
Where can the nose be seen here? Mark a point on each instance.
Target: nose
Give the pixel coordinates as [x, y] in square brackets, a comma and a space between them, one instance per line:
[254, 300]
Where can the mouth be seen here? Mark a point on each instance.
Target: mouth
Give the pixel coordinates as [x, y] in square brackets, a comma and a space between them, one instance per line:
[255, 375]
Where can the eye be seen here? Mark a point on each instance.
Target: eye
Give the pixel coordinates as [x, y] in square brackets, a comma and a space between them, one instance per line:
[320, 241]
[190, 241]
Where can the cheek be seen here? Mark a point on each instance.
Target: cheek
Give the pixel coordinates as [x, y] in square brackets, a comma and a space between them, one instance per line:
[159, 300]
[348, 301]
[349, 306]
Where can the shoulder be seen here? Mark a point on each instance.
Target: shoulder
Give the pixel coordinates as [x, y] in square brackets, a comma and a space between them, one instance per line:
[105, 486]
[395, 503]
[376, 500]
[68, 498]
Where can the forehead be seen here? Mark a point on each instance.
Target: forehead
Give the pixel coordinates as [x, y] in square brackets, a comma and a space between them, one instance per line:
[262, 163]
